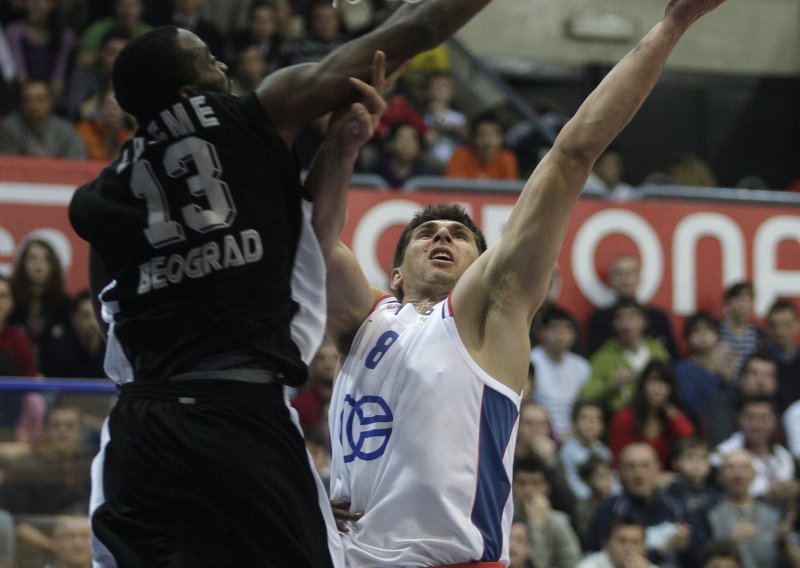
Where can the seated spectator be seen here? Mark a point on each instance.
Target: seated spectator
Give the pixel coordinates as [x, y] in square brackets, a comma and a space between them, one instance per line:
[773, 464]
[35, 130]
[673, 537]
[447, 127]
[519, 545]
[560, 373]
[263, 30]
[77, 351]
[720, 554]
[127, 17]
[654, 417]
[72, 542]
[692, 171]
[88, 82]
[42, 45]
[323, 34]
[707, 369]
[623, 281]
[186, 14]
[760, 531]
[624, 547]
[229, 16]
[402, 156]
[692, 484]
[484, 157]
[783, 325]
[584, 443]
[598, 476]
[606, 177]
[740, 335]
[553, 542]
[618, 363]
[248, 67]
[104, 133]
[758, 377]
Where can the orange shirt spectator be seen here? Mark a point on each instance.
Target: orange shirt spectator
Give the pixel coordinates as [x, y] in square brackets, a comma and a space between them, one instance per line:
[484, 156]
[103, 134]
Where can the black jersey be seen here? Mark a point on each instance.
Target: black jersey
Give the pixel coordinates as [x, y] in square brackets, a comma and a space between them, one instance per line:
[198, 222]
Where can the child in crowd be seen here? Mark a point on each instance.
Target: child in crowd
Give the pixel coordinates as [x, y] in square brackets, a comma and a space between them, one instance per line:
[597, 475]
[693, 485]
[585, 442]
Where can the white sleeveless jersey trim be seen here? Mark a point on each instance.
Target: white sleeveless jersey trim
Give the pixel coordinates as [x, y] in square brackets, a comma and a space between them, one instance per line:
[423, 444]
[115, 364]
[308, 290]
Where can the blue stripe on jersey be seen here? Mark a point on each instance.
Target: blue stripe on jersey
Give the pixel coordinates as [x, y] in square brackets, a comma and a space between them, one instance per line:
[498, 415]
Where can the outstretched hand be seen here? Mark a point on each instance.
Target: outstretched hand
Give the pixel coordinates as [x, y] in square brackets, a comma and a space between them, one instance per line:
[352, 126]
[688, 11]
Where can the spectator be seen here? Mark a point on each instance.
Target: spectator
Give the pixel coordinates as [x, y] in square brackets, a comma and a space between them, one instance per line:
[692, 484]
[42, 305]
[323, 34]
[76, 351]
[447, 127]
[691, 170]
[105, 131]
[315, 396]
[654, 417]
[402, 156]
[263, 29]
[35, 130]
[72, 542]
[484, 157]
[624, 279]
[248, 67]
[88, 82]
[760, 532]
[783, 326]
[741, 336]
[229, 16]
[186, 14]
[606, 177]
[720, 554]
[672, 536]
[127, 17]
[707, 369]
[519, 545]
[41, 45]
[584, 443]
[624, 547]
[773, 464]
[618, 363]
[758, 377]
[553, 542]
[599, 477]
[560, 374]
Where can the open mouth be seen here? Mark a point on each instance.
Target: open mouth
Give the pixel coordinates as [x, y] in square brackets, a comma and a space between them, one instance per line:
[441, 254]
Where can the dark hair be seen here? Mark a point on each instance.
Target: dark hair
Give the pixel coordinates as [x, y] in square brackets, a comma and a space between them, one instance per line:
[530, 464]
[624, 303]
[660, 371]
[760, 355]
[687, 444]
[581, 404]
[150, 71]
[588, 468]
[782, 304]
[80, 297]
[749, 399]
[450, 212]
[115, 33]
[625, 521]
[23, 289]
[698, 319]
[720, 549]
[554, 313]
[488, 117]
[737, 289]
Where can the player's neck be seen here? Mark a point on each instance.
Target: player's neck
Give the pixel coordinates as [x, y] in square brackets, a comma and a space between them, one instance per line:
[422, 305]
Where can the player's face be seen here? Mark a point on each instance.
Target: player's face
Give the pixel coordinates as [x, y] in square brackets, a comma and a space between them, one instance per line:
[437, 255]
[210, 73]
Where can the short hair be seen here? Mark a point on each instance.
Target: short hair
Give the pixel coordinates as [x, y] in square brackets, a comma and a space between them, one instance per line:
[780, 305]
[487, 117]
[532, 464]
[759, 355]
[81, 296]
[581, 404]
[698, 319]
[450, 212]
[624, 303]
[554, 313]
[749, 399]
[720, 549]
[625, 521]
[684, 445]
[115, 33]
[737, 289]
[588, 468]
[149, 72]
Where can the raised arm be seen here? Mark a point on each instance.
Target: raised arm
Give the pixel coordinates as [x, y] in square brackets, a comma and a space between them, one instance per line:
[350, 296]
[505, 287]
[295, 95]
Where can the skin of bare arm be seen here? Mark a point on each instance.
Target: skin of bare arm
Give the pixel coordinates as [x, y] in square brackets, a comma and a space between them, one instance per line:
[296, 95]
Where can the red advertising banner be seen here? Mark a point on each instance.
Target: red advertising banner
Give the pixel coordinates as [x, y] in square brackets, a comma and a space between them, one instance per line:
[690, 250]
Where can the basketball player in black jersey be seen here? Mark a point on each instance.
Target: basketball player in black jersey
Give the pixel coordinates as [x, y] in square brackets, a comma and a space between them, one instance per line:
[212, 289]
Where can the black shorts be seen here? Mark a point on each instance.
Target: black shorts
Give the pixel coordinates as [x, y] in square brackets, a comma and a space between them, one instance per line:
[206, 474]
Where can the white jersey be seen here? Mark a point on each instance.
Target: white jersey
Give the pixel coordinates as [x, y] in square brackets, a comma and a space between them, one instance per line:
[423, 443]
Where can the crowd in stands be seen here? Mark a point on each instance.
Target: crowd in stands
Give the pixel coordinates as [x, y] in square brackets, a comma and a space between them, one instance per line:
[56, 98]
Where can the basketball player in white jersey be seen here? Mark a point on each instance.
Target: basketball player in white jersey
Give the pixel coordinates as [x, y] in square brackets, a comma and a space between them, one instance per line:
[424, 412]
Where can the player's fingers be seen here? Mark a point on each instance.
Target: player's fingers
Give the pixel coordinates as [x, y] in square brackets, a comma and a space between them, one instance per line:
[372, 98]
[379, 70]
